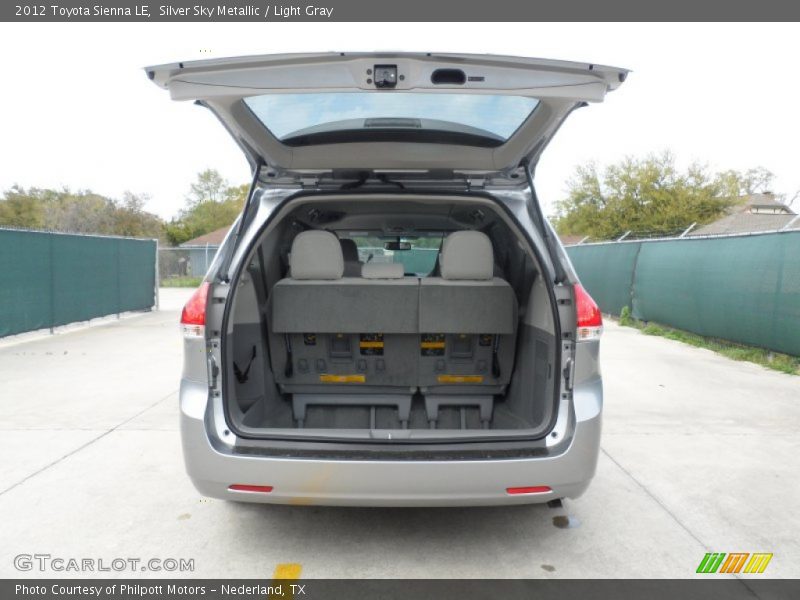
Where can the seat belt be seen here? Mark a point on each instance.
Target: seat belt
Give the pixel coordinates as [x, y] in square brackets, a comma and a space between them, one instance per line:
[263, 301]
[242, 376]
[289, 370]
[496, 372]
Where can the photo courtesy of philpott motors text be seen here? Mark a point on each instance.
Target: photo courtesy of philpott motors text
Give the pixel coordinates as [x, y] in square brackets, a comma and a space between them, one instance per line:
[98, 590]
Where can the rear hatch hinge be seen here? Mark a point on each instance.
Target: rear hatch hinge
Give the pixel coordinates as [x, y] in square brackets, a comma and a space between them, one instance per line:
[309, 182]
[476, 183]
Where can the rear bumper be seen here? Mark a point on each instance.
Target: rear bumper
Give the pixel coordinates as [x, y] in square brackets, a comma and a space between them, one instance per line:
[304, 481]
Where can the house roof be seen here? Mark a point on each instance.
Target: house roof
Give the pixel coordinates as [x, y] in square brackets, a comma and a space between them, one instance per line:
[746, 222]
[744, 219]
[213, 238]
[766, 200]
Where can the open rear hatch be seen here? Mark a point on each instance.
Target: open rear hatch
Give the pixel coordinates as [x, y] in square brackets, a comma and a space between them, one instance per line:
[300, 112]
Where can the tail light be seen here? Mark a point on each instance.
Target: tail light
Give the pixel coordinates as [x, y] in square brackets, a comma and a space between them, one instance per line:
[530, 489]
[590, 320]
[193, 317]
[258, 489]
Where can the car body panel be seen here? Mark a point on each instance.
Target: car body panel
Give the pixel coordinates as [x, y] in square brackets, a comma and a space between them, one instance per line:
[337, 482]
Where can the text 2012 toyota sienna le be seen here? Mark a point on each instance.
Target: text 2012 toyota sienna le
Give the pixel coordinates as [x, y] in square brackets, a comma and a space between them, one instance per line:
[391, 321]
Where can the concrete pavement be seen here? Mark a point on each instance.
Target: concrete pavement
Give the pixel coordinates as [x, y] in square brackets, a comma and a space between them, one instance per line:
[699, 454]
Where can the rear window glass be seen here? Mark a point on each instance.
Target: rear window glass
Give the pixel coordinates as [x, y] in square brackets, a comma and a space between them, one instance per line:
[287, 115]
[419, 260]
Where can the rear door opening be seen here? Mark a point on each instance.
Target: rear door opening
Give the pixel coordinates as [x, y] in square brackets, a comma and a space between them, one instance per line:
[391, 318]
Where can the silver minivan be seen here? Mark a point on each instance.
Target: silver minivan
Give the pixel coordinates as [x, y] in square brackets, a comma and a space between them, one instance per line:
[391, 320]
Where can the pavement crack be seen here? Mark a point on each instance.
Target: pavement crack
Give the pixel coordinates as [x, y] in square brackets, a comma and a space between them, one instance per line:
[656, 499]
[87, 444]
[672, 515]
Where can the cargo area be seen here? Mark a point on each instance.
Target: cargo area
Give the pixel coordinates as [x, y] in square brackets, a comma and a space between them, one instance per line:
[380, 318]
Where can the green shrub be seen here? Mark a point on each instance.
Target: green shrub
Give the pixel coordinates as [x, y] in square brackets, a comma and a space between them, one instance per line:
[760, 356]
[181, 282]
[766, 358]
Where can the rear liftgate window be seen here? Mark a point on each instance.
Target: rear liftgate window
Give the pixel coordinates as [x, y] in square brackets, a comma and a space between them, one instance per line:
[291, 116]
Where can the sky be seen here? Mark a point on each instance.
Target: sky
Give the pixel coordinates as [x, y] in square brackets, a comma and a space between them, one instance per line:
[77, 110]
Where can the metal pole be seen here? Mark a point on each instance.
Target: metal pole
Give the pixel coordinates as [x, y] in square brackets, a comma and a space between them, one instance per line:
[205, 266]
[52, 286]
[583, 240]
[158, 275]
[790, 223]
[119, 278]
[688, 229]
[624, 235]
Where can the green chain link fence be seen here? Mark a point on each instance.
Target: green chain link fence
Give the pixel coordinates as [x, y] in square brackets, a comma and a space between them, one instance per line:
[740, 288]
[52, 279]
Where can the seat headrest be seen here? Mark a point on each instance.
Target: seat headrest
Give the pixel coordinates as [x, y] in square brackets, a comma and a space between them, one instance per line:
[382, 271]
[316, 255]
[467, 255]
[349, 250]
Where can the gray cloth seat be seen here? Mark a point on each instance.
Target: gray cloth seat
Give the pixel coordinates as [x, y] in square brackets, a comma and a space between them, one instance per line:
[375, 340]
[331, 334]
[467, 321]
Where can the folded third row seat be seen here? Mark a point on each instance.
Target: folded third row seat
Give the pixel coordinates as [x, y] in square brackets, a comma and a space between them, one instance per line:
[376, 339]
[338, 340]
[468, 323]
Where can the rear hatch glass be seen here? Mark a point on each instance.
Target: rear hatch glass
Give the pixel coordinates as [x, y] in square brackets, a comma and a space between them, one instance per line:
[290, 117]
